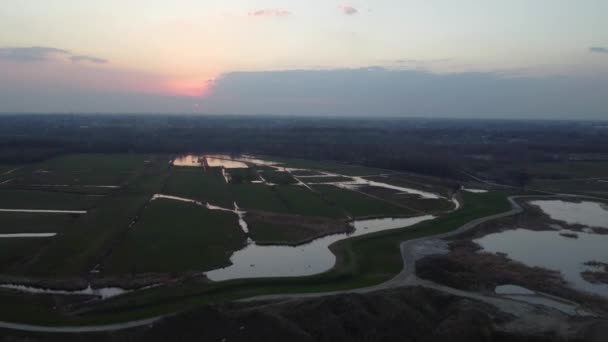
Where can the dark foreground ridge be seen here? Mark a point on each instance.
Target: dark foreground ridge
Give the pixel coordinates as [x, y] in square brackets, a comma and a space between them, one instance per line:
[406, 314]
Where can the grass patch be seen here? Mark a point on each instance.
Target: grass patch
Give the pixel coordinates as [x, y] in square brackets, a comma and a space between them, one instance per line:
[279, 177]
[196, 183]
[81, 246]
[326, 179]
[33, 199]
[258, 197]
[357, 204]
[301, 201]
[177, 237]
[267, 233]
[36, 223]
[13, 250]
[85, 169]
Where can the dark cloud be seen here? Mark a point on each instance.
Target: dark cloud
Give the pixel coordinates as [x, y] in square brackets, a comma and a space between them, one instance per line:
[270, 13]
[598, 49]
[348, 10]
[88, 59]
[376, 91]
[421, 61]
[30, 54]
[43, 54]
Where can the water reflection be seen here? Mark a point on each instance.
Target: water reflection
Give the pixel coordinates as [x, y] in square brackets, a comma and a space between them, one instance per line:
[188, 160]
[255, 261]
[26, 235]
[550, 250]
[225, 163]
[592, 214]
[102, 292]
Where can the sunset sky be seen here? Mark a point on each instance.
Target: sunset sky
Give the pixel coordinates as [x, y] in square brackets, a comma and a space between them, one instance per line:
[443, 58]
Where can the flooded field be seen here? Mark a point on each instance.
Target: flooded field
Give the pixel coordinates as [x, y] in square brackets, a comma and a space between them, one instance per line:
[188, 160]
[102, 292]
[587, 213]
[43, 211]
[475, 191]
[26, 235]
[226, 163]
[549, 249]
[255, 261]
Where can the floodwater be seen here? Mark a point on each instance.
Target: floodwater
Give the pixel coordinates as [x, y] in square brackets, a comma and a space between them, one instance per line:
[78, 185]
[358, 182]
[102, 292]
[43, 211]
[225, 163]
[475, 191]
[548, 249]
[255, 261]
[188, 160]
[587, 213]
[256, 161]
[26, 235]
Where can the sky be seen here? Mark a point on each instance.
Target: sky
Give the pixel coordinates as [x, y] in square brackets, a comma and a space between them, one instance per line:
[402, 58]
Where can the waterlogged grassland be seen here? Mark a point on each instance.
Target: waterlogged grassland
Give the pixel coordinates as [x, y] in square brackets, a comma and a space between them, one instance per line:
[177, 237]
[359, 205]
[180, 237]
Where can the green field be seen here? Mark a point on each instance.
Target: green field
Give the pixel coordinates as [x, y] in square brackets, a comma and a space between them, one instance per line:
[35, 199]
[359, 205]
[84, 169]
[36, 223]
[258, 197]
[266, 233]
[278, 177]
[177, 237]
[301, 201]
[14, 250]
[196, 183]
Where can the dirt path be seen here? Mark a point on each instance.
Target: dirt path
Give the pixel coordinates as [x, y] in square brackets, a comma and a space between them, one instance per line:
[79, 329]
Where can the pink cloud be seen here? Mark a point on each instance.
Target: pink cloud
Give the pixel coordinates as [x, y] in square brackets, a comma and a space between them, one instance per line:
[348, 10]
[270, 13]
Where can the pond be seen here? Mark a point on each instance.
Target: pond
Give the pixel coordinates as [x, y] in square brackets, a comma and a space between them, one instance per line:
[255, 261]
[587, 213]
[548, 249]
